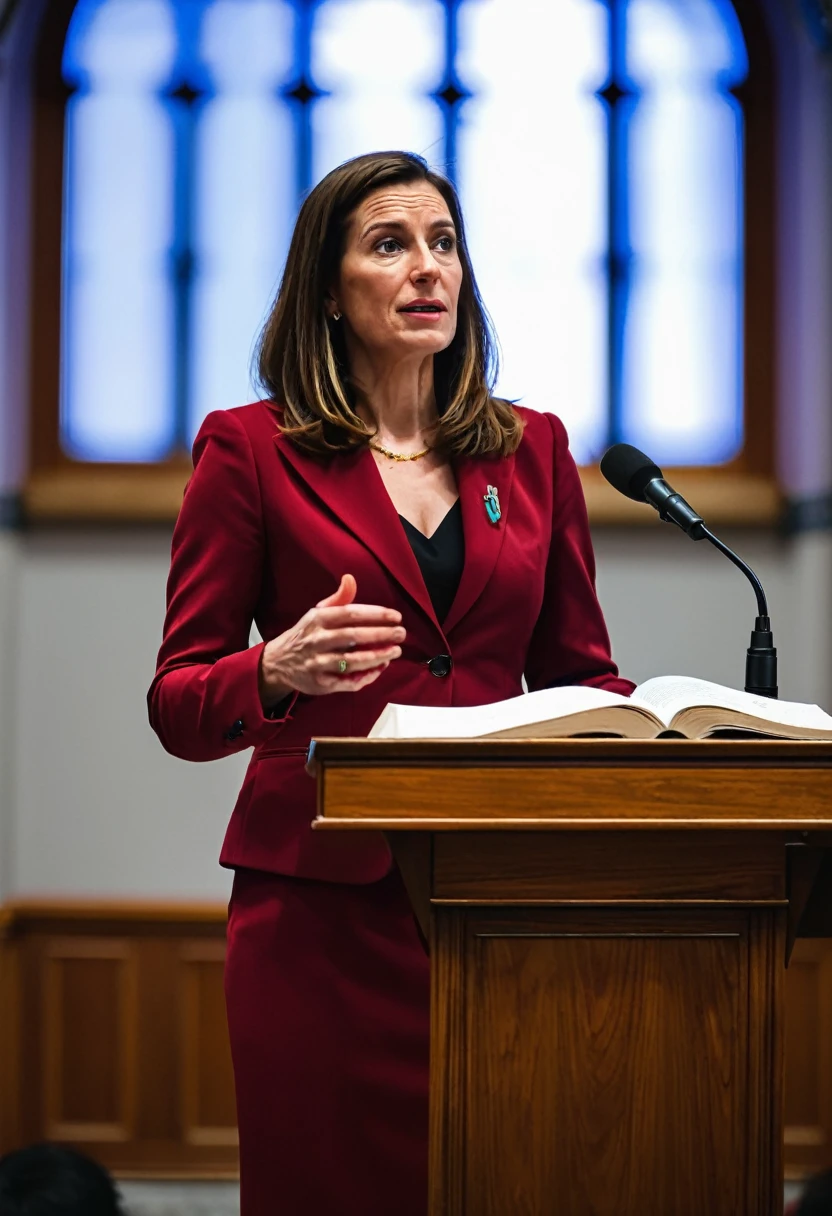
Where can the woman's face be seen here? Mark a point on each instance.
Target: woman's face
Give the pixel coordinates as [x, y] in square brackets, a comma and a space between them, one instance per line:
[400, 275]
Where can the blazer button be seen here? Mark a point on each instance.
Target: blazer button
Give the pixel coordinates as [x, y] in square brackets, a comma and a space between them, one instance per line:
[440, 665]
[236, 731]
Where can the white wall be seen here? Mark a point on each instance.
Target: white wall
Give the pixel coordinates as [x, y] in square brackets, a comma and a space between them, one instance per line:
[99, 806]
[8, 634]
[14, 308]
[678, 607]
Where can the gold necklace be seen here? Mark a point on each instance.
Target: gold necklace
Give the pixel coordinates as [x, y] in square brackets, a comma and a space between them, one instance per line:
[399, 455]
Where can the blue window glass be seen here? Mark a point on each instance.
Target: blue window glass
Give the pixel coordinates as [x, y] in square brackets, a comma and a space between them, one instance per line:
[118, 313]
[244, 142]
[682, 365]
[597, 146]
[531, 168]
[376, 99]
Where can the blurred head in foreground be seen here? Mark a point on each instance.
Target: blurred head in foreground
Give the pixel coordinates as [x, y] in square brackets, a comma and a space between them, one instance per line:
[48, 1180]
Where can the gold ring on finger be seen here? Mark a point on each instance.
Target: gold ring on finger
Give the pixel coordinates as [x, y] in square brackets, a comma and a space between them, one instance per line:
[342, 666]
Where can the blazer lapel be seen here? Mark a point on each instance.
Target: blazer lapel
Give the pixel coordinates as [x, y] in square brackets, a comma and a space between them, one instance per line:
[483, 539]
[351, 488]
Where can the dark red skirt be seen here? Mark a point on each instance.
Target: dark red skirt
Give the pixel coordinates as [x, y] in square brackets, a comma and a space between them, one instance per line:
[327, 990]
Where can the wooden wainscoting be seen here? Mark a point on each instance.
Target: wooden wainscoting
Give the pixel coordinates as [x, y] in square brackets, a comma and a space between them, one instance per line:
[9, 1035]
[113, 1035]
[113, 1038]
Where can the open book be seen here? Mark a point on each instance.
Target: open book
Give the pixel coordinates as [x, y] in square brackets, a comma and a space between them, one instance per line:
[666, 705]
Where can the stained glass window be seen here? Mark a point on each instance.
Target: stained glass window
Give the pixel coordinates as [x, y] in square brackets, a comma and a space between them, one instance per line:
[597, 146]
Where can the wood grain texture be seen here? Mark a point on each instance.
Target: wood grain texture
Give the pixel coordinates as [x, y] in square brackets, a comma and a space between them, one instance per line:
[122, 1041]
[10, 1079]
[582, 866]
[507, 797]
[207, 1079]
[765, 1040]
[169, 917]
[608, 1004]
[449, 1066]
[413, 854]
[88, 1019]
[606, 1064]
[583, 1109]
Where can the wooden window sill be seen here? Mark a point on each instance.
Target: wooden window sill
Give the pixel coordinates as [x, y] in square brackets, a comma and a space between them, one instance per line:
[107, 493]
[114, 494]
[724, 497]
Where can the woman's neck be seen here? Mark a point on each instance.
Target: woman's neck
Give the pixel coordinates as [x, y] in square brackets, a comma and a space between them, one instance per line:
[397, 400]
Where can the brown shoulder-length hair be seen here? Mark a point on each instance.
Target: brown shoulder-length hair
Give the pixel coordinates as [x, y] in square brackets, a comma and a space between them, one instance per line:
[302, 357]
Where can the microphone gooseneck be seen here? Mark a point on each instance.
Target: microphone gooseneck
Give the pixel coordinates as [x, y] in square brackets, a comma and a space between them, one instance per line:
[762, 605]
[636, 476]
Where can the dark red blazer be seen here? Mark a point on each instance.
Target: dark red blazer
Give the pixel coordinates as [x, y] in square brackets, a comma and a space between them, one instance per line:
[266, 531]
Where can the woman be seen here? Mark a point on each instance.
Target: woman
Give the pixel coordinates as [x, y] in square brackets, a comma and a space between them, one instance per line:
[396, 534]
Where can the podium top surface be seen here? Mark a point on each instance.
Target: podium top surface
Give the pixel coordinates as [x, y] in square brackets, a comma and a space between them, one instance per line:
[508, 784]
[590, 751]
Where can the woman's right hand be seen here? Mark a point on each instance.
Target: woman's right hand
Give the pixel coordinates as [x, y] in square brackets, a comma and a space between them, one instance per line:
[306, 657]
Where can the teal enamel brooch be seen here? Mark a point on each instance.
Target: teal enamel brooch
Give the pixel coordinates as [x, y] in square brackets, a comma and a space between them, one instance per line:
[492, 504]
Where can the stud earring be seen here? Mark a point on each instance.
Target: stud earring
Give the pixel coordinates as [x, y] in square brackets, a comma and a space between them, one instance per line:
[336, 316]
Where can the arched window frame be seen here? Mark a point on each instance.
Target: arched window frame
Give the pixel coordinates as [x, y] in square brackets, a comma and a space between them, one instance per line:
[743, 491]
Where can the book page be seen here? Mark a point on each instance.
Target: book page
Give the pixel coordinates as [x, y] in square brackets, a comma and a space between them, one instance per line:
[470, 722]
[669, 695]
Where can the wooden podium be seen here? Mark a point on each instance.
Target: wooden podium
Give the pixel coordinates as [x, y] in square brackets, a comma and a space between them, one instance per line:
[609, 926]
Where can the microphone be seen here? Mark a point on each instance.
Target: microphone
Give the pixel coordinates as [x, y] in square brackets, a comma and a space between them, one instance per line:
[636, 476]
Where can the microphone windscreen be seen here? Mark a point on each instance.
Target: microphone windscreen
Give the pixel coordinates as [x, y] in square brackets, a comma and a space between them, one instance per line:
[628, 470]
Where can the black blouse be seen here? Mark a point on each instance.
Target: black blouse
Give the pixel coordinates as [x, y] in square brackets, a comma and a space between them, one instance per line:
[440, 557]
